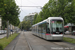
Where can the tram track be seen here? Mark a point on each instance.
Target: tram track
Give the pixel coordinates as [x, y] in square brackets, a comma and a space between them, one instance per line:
[28, 42]
[13, 48]
[64, 45]
[15, 45]
[60, 43]
[45, 43]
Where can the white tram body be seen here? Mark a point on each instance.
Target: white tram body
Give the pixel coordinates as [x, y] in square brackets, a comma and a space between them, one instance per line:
[50, 29]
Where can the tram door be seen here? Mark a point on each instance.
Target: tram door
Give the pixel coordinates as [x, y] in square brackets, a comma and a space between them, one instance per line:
[47, 31]
[47, 28]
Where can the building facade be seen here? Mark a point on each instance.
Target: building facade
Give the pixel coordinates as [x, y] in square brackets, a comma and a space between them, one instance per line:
[30, 17]
[69, 27]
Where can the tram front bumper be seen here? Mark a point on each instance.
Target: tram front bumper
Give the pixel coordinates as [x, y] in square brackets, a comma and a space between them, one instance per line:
[57, 37]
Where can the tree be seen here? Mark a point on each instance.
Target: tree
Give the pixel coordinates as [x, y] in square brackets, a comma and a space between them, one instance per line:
[25, 25]
[35, 16]
[1, 7]
[73, 11]
[58, 8]
[9, 11]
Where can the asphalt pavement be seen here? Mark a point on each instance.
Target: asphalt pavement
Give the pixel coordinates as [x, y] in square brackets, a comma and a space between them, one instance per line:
[25, 41]
[2, 36]
[70, 36]
[19, 43]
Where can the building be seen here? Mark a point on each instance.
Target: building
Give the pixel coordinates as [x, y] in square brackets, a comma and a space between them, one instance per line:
[30, 17]
[70, 27]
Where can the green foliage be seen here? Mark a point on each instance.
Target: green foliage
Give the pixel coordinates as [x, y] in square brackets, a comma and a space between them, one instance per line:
[1, 47]
[9, 11]
[58, 8]
[70, 40]
[4, 41]
[25, 25]
[1, 7]
[35, 18]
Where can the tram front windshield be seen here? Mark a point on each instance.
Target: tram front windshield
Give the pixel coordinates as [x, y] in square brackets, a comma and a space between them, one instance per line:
[57, 26]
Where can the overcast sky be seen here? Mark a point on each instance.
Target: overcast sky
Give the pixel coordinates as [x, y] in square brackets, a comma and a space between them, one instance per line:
[26, 10]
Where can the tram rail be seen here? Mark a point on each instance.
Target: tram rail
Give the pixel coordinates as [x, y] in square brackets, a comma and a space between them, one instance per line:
[28, 43]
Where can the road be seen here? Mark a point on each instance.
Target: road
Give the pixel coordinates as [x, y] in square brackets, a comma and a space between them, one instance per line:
[28, 41]
[2, 36]
[37, 43]
[70, 36]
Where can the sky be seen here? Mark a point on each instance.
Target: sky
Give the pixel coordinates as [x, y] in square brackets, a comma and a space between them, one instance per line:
[26, 10]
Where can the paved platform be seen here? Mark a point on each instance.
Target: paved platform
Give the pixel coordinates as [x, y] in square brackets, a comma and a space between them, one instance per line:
[36, 43]
[19, 43]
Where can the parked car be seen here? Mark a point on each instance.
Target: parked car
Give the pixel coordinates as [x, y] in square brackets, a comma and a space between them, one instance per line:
[2, 31]
[73, 33]
[67, 32]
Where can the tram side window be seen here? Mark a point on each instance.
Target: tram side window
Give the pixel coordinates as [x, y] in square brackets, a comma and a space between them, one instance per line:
[44, 28]
[36, 29]
[39, 27]
[47, 28]
[33, 29]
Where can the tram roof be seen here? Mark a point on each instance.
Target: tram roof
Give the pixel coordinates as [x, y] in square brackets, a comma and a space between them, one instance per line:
[47, 19]
[41, 22]
[55, 18]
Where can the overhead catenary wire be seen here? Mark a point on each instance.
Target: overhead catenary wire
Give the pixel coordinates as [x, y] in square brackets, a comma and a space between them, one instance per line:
[32, 2]
[21, 5]
[25, 6]
[29, 6]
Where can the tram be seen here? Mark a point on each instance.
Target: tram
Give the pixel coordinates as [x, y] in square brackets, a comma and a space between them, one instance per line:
[50, 29]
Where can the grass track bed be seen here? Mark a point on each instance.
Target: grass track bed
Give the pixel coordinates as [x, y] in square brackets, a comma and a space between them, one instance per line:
[4, 41]
[70, 40]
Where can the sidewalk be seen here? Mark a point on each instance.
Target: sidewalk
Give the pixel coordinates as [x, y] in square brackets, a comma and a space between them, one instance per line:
[70, 36]
[4, 35]
[19, 43]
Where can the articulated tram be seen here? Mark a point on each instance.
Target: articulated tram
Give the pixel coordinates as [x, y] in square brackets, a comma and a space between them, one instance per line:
[50, 29]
